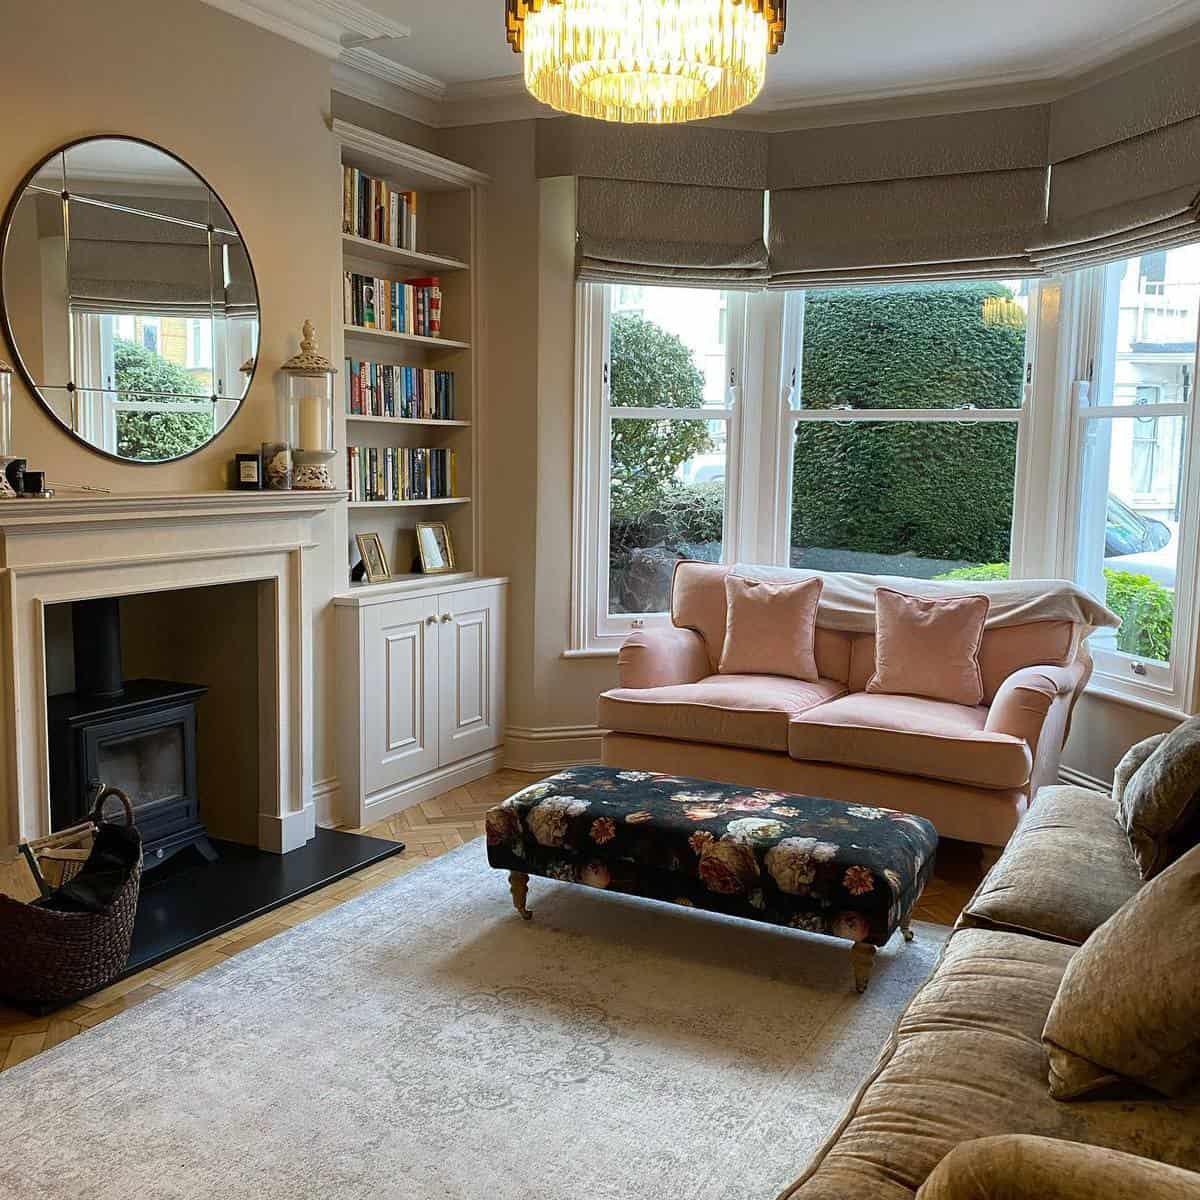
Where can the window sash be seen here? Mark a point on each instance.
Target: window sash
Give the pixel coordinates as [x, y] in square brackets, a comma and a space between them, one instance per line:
[1167, 688]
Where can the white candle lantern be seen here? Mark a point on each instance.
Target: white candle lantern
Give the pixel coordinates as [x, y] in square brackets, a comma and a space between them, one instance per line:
[6, 488]
[308, 415]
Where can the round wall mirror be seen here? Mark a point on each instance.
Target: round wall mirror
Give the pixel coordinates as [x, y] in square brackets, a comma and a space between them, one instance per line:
[128, 299]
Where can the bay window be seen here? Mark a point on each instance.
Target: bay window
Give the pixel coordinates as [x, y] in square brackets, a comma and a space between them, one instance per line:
[965, 430]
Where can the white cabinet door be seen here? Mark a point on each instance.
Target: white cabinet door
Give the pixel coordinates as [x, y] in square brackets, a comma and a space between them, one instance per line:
[471, 650]
[400, 691]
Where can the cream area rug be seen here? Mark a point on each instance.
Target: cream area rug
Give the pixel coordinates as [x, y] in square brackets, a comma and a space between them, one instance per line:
[422, 1041]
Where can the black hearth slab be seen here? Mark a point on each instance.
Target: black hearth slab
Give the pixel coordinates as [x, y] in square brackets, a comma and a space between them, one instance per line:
[185, 903]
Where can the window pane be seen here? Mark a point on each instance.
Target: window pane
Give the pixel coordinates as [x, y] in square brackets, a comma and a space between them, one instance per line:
[1129, 527]
[916, 498]
[933, 345]
[1148, 344]
[666, 502]
[668, 347]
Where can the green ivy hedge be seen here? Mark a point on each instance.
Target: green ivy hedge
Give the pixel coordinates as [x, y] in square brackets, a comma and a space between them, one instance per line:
[1146, 608]
[936, 491]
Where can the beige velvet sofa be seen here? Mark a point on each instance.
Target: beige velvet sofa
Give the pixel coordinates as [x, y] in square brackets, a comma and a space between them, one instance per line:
[965, 1062]
[970, 770]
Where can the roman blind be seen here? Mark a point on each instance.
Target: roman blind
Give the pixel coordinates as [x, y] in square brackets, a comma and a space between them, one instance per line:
[1125, 166]
[667, 233]
[950, 197]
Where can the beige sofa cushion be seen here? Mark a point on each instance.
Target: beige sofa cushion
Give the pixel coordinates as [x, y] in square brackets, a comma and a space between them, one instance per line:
[1128, 1008]
[1160, 805]
[911, 736]
[1067, 869]
[727, 710]
[966, 1061]
[1018, 1167]
[769, 628]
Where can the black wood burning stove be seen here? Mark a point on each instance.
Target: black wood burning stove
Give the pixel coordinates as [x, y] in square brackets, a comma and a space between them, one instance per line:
[139, 736]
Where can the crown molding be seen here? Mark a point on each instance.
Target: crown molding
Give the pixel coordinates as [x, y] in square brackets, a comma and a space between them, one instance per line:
[328, 25]
[378, 145]
[320, 25]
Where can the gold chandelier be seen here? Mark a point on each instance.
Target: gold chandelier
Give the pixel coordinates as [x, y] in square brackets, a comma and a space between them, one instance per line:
[645, 61]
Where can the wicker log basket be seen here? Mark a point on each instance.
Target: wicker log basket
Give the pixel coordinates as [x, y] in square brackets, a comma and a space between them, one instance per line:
[75, 939]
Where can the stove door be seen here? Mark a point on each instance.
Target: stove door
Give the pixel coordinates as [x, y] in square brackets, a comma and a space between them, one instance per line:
[152, 758]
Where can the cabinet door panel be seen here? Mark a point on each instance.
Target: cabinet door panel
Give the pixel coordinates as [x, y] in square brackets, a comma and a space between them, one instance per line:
[471, 650]
[400, 708]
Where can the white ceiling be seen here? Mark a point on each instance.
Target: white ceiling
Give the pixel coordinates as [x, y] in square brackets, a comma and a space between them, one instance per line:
[842, 48]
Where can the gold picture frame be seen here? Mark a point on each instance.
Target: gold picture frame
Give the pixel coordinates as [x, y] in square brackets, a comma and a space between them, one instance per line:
[375, 562]
[435, 547]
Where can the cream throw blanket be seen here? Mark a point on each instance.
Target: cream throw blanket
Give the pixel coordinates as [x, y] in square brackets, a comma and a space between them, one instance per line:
[848, 600]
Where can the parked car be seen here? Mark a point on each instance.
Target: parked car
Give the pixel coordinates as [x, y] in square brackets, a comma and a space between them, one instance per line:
[1138, 544]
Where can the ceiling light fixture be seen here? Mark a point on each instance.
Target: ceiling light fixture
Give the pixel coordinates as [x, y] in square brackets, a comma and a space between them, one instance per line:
[645, 61]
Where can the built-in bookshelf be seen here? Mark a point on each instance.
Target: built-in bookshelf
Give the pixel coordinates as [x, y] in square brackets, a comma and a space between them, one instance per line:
[396, 193]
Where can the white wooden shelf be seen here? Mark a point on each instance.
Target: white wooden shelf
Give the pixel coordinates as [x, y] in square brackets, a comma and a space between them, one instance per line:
[386, 335]
[408, 503]
[361, 247]
[426, 422]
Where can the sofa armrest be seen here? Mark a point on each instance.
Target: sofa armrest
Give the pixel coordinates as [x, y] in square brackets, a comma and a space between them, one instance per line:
[661, 658]
[1021, 1167]
[1025, 698]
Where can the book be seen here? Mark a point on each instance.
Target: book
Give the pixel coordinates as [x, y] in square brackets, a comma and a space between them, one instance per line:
[374, 210]
[394, 390]
[383, 473]
[409, 306]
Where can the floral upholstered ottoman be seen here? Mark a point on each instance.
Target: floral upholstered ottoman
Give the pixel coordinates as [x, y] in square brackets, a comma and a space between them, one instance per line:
[847, 870]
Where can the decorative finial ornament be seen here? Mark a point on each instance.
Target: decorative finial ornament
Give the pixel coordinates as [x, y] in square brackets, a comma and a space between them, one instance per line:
[309, 361]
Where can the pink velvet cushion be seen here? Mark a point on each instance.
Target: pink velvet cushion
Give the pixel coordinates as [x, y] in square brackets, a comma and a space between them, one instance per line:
[928, 647]
[770, 628]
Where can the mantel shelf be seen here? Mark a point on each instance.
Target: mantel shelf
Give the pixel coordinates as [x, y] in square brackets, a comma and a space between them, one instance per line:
[408, 503]
[361, 247]
[428, 423]
[386, 335]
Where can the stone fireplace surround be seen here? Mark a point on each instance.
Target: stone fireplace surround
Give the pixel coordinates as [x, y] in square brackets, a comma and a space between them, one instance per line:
[61, 550]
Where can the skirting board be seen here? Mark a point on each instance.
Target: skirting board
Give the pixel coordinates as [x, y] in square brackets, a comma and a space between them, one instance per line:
[552, 747]
[1081, 779]
[327, 800]
[425, 787]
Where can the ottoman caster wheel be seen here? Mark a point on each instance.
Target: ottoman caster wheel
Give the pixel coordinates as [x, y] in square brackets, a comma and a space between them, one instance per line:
[862, 958]
[518, 884]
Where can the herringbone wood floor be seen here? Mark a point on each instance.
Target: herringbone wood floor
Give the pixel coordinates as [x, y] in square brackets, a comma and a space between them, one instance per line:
[428, 830]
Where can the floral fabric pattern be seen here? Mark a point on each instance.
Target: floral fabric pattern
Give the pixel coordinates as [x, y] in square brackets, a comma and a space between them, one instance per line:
[847, 870]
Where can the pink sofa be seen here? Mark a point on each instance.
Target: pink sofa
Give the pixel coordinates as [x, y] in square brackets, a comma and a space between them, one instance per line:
[970, 770]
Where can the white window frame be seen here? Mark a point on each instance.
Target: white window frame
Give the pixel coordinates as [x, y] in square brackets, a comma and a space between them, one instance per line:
[594, 630]
[791, 415]
[1166, 689]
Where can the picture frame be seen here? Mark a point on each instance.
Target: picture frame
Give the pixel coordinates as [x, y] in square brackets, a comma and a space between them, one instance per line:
[435, 547]
[375, 562]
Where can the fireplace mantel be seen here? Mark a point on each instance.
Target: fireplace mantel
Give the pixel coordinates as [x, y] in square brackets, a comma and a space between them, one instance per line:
[62, 550]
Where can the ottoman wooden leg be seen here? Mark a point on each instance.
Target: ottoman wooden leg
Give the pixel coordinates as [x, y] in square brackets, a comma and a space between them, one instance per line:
[518, 884]
[989, 856]
[906, 928]
[862, 956]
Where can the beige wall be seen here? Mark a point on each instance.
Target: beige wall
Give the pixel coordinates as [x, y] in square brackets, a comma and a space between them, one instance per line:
[379, 120]
[527, 434]
[247, 110]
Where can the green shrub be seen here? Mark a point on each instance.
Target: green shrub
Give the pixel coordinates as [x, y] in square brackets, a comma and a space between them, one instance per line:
[935, 491]
[154, 436]
[1146, 608]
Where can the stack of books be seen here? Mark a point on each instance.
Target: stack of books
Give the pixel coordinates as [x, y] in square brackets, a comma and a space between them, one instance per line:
[409, 306]
[389, 390]
[373, 209]
[400, 473]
